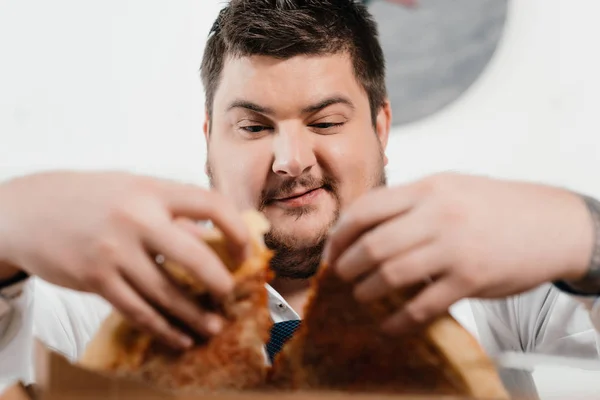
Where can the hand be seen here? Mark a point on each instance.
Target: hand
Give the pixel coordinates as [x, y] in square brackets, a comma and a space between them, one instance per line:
[97, 232]
[467, 236]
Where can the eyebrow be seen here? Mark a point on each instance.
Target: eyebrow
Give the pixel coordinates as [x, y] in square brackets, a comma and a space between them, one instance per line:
[248, 105]
[326, 103]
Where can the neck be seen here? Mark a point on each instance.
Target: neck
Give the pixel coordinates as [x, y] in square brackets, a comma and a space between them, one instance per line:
[294, 291]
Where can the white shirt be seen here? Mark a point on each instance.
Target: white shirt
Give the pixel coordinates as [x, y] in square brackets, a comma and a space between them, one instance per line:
[543, 320]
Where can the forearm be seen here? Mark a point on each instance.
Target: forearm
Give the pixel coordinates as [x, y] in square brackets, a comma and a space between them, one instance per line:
[586, 289]
[589, 282]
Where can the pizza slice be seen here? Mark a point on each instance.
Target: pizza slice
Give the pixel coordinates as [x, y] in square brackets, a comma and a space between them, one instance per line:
[234, 359]
[339, 346]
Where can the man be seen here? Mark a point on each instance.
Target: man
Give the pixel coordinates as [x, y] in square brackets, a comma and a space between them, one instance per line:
[297, 123]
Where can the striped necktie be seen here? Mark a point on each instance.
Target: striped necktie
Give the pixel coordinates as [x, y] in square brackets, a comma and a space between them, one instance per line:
[280, 333]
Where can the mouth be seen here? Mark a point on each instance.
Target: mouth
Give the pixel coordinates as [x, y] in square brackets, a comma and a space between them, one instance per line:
[296, 194]
[300, 198]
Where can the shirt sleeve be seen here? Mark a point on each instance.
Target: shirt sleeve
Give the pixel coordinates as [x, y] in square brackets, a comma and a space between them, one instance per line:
[16, 322]
[543, 320]
[592, 304]
[64, 320]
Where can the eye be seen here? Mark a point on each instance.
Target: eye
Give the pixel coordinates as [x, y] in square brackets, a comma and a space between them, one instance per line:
[326, 125]
[255, 128]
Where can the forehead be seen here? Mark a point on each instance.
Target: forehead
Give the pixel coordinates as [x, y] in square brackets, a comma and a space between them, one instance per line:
[292, 82]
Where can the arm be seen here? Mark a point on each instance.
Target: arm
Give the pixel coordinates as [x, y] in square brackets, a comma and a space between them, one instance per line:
[100, 232]
[560, 319]
[587, 289]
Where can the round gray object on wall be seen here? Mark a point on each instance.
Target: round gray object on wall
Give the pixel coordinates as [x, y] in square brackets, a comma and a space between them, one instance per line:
[435, 51]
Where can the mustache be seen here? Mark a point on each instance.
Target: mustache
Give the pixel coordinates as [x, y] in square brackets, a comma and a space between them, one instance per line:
[287, 187]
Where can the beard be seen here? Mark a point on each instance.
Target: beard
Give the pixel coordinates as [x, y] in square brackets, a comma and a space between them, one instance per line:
[291, 259]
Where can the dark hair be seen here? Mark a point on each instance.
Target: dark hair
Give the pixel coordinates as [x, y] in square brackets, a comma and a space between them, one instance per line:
[288, 28]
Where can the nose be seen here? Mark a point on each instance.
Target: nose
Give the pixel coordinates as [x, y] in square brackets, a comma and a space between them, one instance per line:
[293, 153]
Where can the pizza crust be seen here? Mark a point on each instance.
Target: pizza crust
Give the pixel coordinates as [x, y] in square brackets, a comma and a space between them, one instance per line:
[234, 359]
[340, 347]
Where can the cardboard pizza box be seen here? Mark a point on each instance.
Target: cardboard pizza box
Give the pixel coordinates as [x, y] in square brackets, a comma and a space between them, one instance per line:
[57, 378]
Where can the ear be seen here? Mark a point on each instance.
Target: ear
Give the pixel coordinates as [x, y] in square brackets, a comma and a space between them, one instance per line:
[206, 126]
[206, 130]
[382, 126]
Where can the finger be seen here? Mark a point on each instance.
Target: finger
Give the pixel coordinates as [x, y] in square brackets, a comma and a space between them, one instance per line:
[397, 236]
[196, 229]
[372, 209]
[409, 269]
[136, 310]
[194, 255]
[433, 301]
[149, 281]
[197, 203]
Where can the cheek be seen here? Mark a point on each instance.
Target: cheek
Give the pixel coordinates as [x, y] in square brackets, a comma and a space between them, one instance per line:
[355, 164]
[239, 173]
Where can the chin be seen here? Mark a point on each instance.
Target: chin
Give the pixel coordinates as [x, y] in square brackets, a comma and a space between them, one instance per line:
[302, 230]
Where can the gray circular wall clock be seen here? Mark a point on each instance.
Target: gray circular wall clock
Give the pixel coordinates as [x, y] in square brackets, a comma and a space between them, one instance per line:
[436, 50]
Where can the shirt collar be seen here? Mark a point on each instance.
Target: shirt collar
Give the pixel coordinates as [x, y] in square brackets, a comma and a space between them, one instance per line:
[279, 308]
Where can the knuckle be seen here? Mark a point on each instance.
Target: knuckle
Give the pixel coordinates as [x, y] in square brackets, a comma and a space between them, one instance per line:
[416, 314]
[133, 214]
[333, 243]
[358, 205]
[426, 187]
[131, 206]
[214, 203]
[208, 199]
[106, 248]
[355, 214]
[214, 209]
[452, 212]
[389, 275]
[121, 211]
[469, 276]
[96, 279]
[359, 215]
[141, 185]
[164, 298]
[171, 300]
[442, 178]
[371, 248]
[147, 321]
[223, 287]
[436, 184]
[227, 284]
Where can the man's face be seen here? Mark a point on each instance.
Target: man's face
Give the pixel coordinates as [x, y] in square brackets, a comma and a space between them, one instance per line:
[294, 139]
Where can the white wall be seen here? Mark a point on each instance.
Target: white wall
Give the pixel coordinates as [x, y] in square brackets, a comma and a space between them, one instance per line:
[114, 84]
[531, 115]
[111, 84]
